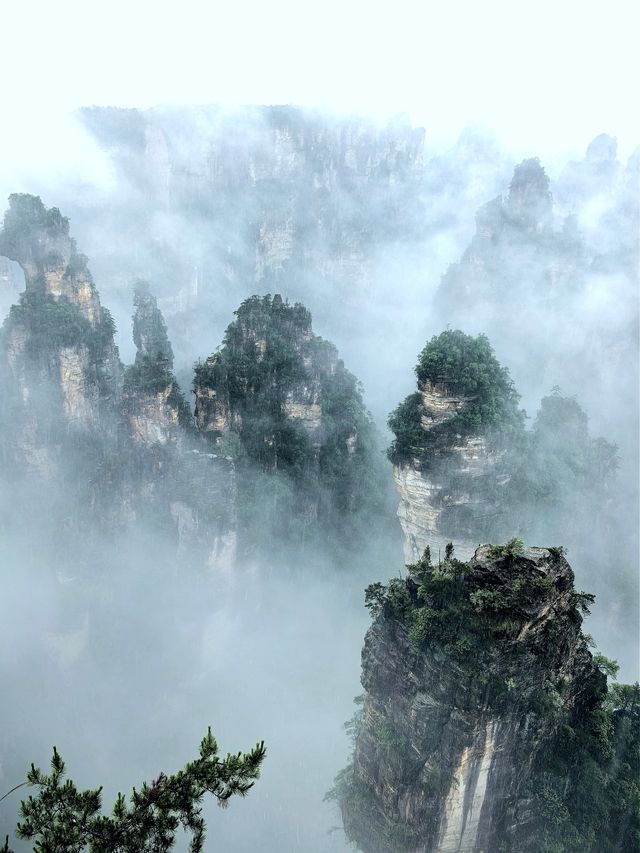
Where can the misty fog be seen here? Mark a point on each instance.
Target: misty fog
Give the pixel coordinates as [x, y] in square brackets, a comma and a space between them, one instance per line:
[120, 650]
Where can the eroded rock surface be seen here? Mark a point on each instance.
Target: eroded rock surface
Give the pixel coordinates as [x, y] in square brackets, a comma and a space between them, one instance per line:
[451, 743]
[446, 493]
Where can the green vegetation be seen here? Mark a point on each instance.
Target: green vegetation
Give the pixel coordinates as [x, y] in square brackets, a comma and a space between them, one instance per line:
[390, 740]
[152, 372]
[409, 433]
[62, 818]
[465, 367]
[38, 239]
[149, 329]
[453, 607]
[34, 235]
[148, 377]
[563, 478]
[25, 218]
[52, 323]
[564, 459]
[305, 445]
[586, 780]
[510, 549]
[606, 665]
[539, 481]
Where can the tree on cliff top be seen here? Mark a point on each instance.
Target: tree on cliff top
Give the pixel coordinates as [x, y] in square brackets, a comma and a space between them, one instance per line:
[316, 477]
[149, 329]
[27, 214]
[32, 232]
[62, 819]
[463, 366]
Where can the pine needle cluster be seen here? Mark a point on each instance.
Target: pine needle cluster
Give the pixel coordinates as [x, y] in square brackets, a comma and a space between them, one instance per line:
[62, 819]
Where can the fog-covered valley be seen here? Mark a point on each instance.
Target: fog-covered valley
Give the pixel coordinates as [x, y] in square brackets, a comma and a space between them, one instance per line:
[256, 359]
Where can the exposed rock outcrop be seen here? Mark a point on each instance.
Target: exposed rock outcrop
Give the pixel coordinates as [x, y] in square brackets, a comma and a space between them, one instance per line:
[152, 401]
[473, 675]
[61, 371]
[278, 399]
[450, 457]
[118, 449]
[173, 477]
[278, 339]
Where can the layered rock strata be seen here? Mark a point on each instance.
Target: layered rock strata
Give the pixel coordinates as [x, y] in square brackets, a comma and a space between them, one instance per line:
[447, 493]
[115, 449]
[454, 745]
[61, 364]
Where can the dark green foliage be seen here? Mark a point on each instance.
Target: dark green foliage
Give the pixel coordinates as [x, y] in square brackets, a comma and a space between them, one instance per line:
[38, 237]
[147, 376]
[510, 549]
[62, 818]
[26, 217]
[52, 323]
[541, 481]
[608, 666]
[466, 367]
[420, 570]
[152, 372]
[589, 779]
[298, 478]
[586, 780]
[374, 598]
[39, 240]
[409, 434]
[469, 616]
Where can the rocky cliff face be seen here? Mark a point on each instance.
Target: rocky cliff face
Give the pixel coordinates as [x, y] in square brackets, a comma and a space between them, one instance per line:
[116, 448]
[174, 477]
[326, 209]
[279, 174]
[277, 397]
[543, 259]
[473, 674]
[152, 401]
[60, 365]
[450, 455]
[450, 490]
[279, 340]
[518, 254]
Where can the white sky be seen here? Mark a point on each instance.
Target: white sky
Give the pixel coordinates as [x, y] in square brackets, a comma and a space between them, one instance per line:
[544, 76]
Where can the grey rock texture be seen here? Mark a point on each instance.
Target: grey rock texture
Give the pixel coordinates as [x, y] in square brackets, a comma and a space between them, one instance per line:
[443, 763]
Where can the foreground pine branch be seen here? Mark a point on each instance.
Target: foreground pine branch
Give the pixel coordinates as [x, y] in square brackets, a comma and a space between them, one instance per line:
[62, 819]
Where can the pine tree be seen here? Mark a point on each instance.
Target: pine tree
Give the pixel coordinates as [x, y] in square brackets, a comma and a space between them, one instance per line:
[62, 819]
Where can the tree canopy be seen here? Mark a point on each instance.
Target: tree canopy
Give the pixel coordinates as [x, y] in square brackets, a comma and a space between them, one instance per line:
[62, 819]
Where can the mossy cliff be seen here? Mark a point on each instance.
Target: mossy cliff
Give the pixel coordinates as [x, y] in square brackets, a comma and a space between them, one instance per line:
[465, 466]
[278, 399]
[60, 367]
[487, 724]
[87, 444]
